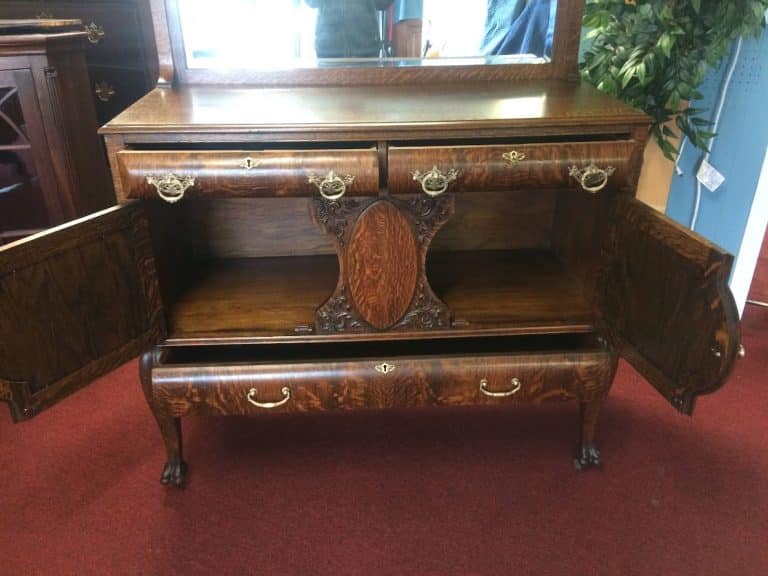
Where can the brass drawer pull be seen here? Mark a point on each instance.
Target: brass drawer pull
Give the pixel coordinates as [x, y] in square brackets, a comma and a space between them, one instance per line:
[104, 91]
[170, 187]
[516, 386]
[331, 186]
[513, 156]
[94, 32]
[251, 397]
[592, 179]
[435, 182]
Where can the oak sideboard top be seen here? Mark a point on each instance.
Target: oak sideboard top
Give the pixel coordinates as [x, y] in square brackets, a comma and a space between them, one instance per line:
[370, 109]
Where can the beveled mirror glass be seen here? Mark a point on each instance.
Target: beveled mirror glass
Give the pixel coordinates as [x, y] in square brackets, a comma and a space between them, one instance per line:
[291, 34]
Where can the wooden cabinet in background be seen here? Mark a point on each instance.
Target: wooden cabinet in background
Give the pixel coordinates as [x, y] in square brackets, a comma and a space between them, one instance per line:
[119, 50]
[52, 166]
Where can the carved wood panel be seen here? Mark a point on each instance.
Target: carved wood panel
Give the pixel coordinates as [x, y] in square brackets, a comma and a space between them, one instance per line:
[382, 245]
[382, 264]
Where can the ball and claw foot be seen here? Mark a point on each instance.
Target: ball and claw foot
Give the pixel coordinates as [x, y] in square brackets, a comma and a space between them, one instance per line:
[174, 474]
[587, 457]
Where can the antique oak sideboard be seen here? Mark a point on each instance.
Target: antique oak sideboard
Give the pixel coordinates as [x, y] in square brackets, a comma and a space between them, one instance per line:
[340, 238]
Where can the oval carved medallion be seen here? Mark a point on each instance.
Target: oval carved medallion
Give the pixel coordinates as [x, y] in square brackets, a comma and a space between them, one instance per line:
[382, 264]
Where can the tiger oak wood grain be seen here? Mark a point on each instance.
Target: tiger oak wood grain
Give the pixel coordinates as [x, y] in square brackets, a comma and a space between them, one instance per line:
[77, 301]
[665, 300]
[519, 274]
[484, 168]
[180, 390]
[220, 174]
[382, 264]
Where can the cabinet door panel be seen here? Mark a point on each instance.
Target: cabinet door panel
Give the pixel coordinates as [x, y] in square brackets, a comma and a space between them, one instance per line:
[75, 302]
[665, 300]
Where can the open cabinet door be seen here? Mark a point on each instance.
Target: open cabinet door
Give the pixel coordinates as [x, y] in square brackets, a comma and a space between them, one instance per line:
[664, 299]
[75, 302]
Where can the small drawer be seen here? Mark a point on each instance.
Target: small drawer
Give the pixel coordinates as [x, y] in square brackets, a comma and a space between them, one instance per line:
[112, 27]
[172, 175]
[114, 89]
[383, 382]
[498, 168]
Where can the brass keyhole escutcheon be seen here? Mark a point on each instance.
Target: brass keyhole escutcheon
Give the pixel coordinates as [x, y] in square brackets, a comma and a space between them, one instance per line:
[385, 368]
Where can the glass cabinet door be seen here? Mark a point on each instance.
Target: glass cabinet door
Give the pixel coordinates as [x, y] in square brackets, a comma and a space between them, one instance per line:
[23, 208]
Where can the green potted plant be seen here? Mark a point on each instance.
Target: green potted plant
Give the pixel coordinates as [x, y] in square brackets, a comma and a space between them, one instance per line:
[654, 54]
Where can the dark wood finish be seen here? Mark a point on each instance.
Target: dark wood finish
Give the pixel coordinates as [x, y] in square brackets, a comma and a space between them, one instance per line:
[382, 247]
[484, 168]
[52, 141]
[180, 390]
[120, 51]
[94, 280]
[382, 252]
[256, 227]
[175, 469]
[665, 300]
[271, 173]
[514, 281]
[523, 288]
[266, 299]
[514, 109]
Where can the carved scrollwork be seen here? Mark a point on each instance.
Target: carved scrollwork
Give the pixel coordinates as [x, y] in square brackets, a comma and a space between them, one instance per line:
[427, 312]
[334, 215]
[430, 213]
[338, 315]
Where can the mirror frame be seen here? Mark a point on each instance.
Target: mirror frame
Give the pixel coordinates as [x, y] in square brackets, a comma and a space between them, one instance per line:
[173, 70]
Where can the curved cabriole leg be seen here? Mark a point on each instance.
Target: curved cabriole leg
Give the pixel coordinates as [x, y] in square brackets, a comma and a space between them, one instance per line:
[175, 469]
[587, 454]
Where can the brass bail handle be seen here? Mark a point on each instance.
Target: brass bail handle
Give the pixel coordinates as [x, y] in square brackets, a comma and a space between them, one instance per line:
[94, 32]
[170, 187]
[435, 181]
[251, 397]
[516, 383]
[592, 179]
[331, 186]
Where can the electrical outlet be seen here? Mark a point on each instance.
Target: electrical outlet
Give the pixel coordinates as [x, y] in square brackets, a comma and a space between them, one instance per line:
[709, 176]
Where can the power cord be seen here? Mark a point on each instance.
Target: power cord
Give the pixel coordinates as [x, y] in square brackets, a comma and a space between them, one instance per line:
[715, 125]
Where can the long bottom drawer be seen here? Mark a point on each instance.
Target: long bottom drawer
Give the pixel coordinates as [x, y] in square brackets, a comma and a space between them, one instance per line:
[476, 371]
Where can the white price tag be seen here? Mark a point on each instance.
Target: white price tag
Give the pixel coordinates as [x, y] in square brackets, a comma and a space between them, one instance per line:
[709, 176]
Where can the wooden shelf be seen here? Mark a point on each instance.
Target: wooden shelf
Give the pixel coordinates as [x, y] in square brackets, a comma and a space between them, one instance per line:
[250, 300]
[505, 289]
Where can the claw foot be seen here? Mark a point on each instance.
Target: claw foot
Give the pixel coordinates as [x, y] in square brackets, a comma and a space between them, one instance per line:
[174, 473]
[587, 457]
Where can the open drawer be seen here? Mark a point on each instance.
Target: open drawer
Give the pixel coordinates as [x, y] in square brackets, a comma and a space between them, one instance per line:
[175, 174]
[466, 371]
[482, 168]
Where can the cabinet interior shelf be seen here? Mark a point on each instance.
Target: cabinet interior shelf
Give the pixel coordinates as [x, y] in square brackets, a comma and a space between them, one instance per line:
[253, 300]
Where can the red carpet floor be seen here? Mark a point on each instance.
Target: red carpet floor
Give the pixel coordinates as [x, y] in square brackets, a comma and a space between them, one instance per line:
[425, 492]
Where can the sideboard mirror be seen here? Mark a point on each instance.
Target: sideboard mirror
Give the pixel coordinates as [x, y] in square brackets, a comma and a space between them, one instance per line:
[365, 41]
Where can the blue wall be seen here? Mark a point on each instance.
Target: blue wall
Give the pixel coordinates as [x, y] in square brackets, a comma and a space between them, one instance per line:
[737, 152]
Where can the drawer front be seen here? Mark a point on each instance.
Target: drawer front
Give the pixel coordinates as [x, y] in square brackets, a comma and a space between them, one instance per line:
[380, 383]
[525, 166]
[249, 173]
[113, 30]
[114, 89]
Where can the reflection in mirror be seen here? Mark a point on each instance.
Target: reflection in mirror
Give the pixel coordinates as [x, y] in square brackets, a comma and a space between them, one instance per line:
[284, 34]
